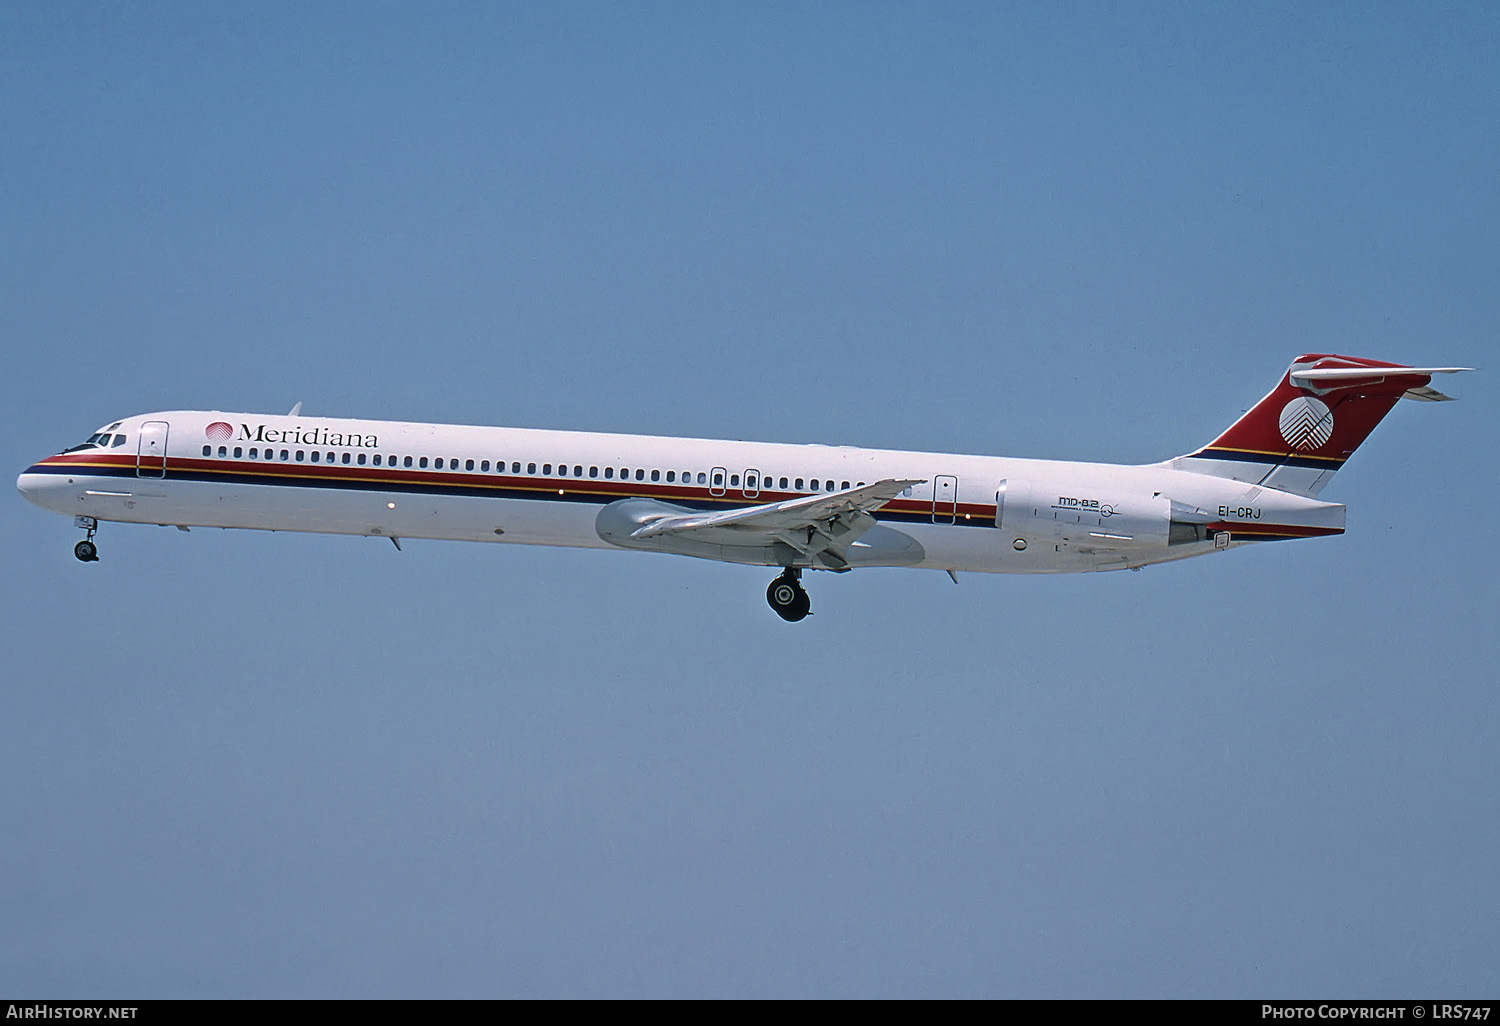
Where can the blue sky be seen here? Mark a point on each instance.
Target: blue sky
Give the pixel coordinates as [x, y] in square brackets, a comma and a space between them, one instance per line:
[282, 766]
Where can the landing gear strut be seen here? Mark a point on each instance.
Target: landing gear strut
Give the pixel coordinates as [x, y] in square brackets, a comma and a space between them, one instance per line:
[787, 597]
[86, 550]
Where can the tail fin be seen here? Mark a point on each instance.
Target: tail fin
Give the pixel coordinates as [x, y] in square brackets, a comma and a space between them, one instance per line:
[1313, 420]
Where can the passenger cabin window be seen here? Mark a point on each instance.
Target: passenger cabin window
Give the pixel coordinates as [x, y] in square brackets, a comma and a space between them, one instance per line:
[362, 459]
[223, 452]
[609, 473]
[593, 472]
[671, 476]
[301, 453]
[208, 450]
[422, 463]
[238, 452]
[656, 475]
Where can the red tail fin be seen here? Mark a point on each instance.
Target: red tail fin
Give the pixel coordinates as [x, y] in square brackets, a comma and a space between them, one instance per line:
[1313, 420]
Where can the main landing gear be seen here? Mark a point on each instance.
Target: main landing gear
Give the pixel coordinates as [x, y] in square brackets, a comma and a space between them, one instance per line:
[787, 597]
[86, 550]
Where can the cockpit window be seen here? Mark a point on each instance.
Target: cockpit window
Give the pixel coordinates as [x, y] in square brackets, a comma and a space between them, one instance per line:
[119, 440]
[96, 440]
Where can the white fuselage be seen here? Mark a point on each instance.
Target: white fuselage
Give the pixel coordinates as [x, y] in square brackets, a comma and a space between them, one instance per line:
[538, 487]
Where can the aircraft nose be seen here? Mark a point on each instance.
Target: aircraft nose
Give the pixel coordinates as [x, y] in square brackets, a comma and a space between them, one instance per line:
[26, 485]
[33, 486]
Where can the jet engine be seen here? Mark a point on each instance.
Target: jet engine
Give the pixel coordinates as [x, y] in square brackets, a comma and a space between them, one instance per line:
[1107, 522]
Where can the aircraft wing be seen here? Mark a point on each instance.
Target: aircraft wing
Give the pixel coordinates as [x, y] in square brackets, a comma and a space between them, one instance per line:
[820, 527]
[790, 514]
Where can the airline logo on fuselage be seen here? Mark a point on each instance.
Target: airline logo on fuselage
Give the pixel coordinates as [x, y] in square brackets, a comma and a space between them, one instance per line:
[299, 436]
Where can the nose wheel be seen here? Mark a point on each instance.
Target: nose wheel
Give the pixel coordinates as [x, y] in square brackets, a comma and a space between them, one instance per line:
[86, 550]
[787, 597]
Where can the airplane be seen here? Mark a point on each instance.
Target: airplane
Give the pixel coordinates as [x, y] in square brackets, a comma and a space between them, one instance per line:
[796, 507]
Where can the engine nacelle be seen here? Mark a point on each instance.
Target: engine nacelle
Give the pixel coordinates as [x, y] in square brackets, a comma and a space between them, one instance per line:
[1108, 522]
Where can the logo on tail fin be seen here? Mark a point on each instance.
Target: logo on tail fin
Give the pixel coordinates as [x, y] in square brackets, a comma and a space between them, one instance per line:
[1306, 423]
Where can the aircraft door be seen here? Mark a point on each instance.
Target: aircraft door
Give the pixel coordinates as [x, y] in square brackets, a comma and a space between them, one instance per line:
[944, 499]
[151, 455]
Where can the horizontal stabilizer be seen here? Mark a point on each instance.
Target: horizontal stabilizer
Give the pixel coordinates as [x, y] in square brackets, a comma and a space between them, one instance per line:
[1333, 377]
[1426, 394]
[1322, 374]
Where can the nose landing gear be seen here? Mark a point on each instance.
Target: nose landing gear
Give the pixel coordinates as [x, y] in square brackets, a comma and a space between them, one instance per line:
[86, 550]
[787, 597]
